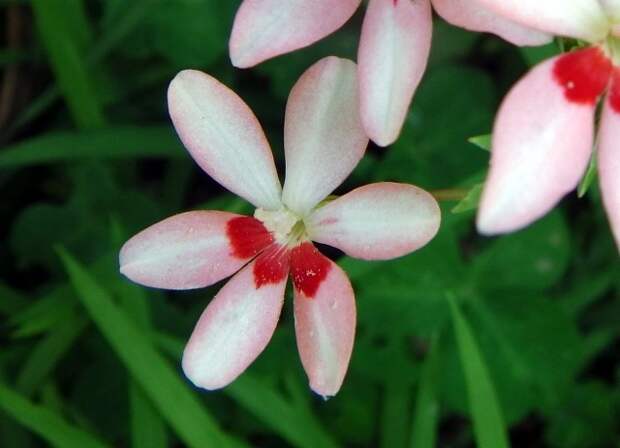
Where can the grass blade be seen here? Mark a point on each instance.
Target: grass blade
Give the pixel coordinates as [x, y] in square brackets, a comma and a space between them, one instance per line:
[67, 62]
[44, 422]
[47, 353]
[171, 396]
[394, 412]
[489, 427]
[426, 413]
[147, 429]
[110, 143]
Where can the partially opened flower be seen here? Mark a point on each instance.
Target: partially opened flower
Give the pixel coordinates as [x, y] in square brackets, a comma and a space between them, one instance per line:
[324, 141]
[544, 132]
[393, 51]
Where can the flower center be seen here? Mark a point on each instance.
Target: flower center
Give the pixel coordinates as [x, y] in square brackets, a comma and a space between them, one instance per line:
[612, 48]
[287, 227]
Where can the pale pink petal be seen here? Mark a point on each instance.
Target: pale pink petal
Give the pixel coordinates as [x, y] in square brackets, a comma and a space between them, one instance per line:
[192, 250]
[474, 16]
[377, 221]
[542, 140]
[392, 57]
[325, 328]
[323, 136]
[233, 330]
[267, 28]
[224, 137]
[581, 19]
[609, 157]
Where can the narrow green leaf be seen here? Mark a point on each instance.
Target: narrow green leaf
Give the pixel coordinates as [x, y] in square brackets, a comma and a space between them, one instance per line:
[44, 422]
[123, 24]
[176, 403]
[482, 141]
[47, 353]
[426, 413]
[489, 427]
[394, 414]
[588, 178]
[51, 17]
[147, 429]
[110, 143]
[470, 201]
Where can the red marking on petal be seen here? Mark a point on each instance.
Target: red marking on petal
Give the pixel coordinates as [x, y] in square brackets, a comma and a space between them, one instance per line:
[271, 266]
[614, 91]
[309, 268]
[248, 236]
[583, 74]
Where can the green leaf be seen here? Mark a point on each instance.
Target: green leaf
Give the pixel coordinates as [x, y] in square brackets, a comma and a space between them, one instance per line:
[45, 423]
[470, 201]
[53, 22]
[170, 395]
[587, 418]
[110, 143]
[120, 26]
[436, 136]
[588, 178]
[535, 55]
[426, 414]
[532, 259]
[394, 414]
[47, 353]
[147, 429]
[489, 427]
[482, 141]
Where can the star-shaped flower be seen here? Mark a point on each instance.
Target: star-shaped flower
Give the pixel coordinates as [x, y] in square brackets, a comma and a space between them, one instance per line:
[393, 50]
[324, 141]
[545, 129]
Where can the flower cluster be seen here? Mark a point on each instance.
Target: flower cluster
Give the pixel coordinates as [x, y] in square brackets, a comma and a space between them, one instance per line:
[545, 129]
[542, 143]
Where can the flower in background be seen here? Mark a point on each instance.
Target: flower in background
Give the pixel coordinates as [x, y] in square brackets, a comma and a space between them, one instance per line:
[393, 51]
[324, 141]
[544, 132]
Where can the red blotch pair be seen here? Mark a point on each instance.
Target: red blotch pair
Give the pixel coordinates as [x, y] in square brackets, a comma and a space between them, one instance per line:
[249, 237]
[585, 74]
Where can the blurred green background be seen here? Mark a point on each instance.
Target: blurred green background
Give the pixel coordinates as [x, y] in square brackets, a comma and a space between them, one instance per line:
[468, 342]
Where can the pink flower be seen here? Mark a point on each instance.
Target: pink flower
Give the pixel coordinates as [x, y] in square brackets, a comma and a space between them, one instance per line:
[544, 132]
[323, 141]
[393, 50]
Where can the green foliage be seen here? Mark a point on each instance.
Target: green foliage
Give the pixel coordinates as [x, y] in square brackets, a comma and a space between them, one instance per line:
[89, 157]
[488, 421]
[193, 424]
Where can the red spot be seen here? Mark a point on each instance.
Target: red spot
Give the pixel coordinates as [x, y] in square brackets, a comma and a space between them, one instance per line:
[583, 74]
[614, 92]
[248, 236]
[271, 266]
[309, 268]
